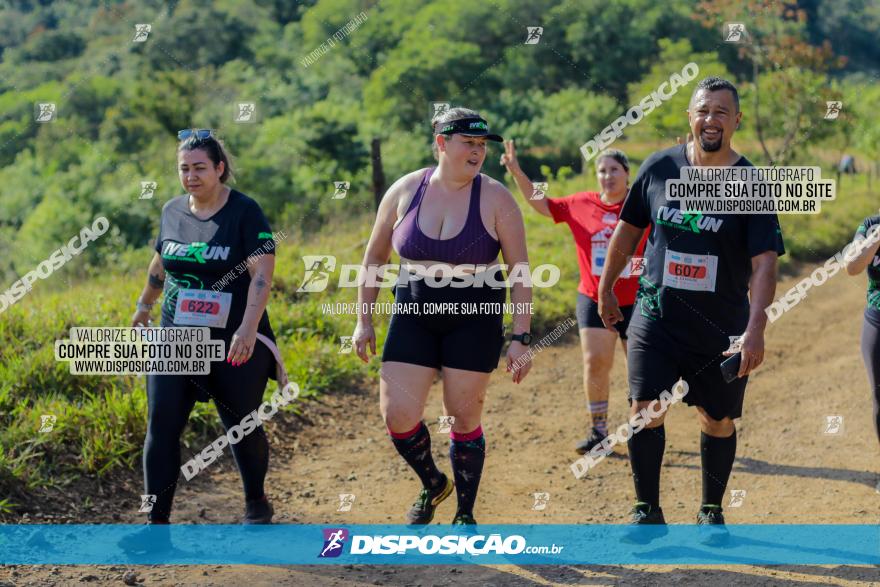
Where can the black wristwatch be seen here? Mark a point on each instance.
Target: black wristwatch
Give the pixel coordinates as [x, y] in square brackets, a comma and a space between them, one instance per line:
[525, 338]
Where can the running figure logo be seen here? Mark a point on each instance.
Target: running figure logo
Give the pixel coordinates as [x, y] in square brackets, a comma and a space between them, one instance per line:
[445, 424]
[345, 345]
[148, 188]
[341, 189]
[737, 496]
[734, 32]
[534, 34]
[636, 266]
[833, 424]
[438, 108]
[47, 422]
[246, 112]
[147, 503]
[346, 500]
[141, 32]
[318, 269]
[334, 538]
[541, 501]
[833, 109]
[736, 343]
[539, 190]
[44, 111]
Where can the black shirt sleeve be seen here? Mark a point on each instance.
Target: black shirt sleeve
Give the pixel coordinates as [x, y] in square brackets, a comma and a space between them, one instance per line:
[764, 234]
[256, 234]
[158, 245]
[636, 208]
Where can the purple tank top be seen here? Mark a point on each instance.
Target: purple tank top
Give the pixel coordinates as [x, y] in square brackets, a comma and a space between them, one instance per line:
[473, 245]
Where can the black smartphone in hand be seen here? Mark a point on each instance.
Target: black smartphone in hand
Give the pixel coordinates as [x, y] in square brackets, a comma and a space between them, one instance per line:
[730, 367]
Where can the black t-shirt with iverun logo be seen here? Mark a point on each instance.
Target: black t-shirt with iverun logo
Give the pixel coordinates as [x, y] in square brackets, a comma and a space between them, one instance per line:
[200, 254]
[696, 281]
[872, 310]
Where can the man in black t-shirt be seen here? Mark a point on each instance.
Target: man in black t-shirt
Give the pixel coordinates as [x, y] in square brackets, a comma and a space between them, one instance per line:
[693, 300]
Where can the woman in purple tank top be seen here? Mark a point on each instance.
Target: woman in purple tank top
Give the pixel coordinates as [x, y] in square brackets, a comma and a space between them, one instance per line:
[447, 223]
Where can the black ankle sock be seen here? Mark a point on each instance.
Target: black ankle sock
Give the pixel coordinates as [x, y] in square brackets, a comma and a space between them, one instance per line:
[416, 451]
[467, 458]
[645, 457]
[717, 456]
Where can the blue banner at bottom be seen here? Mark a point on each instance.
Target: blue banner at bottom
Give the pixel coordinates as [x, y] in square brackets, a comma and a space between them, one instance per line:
[758, 544]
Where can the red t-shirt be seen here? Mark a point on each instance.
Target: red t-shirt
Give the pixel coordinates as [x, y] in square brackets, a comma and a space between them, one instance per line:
[592, 222]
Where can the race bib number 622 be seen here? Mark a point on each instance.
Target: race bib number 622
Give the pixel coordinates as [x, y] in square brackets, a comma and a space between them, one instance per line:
[199, 307]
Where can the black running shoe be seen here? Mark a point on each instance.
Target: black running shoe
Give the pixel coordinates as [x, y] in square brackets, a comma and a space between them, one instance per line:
[713, 532]
[646, 524]
[422, 511]
[152, 538]
[586, 445]
[258, 511]
[464, 520]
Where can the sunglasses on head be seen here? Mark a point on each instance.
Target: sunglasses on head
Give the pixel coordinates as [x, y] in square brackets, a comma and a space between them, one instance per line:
[200, 133]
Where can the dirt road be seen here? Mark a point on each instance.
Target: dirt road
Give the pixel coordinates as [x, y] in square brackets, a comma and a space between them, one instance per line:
[791, 471]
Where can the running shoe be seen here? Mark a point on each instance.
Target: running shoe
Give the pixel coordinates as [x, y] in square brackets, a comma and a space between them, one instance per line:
[713, 532]
[646, 524]
[258, 511]
[153, 538]
[464, 520]
[586, 445]
[422, 511]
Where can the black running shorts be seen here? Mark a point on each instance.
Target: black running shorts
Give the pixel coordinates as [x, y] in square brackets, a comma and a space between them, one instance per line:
[587, 311]
[463, 339]
[655, 363]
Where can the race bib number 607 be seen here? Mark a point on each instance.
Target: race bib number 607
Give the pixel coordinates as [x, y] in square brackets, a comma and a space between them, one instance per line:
[687, 271]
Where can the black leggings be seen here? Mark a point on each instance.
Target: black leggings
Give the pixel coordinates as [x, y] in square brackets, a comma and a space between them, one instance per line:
[871, 356]
[236, 392]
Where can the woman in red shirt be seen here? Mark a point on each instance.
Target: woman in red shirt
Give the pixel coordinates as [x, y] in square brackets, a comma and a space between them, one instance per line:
[591, 216]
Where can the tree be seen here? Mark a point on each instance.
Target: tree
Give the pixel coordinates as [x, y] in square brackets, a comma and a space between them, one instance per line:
[786, 72]
[669, 120]
[613, 43]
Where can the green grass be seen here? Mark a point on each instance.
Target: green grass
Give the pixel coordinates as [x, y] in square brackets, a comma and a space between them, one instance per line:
[101, 420]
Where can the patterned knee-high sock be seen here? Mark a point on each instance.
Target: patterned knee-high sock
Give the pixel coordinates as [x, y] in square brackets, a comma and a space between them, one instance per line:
[415, 448]
[467, 453]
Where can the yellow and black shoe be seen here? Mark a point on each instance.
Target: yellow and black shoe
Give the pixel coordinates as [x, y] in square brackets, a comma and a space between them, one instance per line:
[464, 520]
[422, 511]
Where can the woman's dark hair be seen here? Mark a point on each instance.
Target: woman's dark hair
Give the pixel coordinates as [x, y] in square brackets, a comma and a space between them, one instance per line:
[215, 150]
[450, 115]
[615, 154]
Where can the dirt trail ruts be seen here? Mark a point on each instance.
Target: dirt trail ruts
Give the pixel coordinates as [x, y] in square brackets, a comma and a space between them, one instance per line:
[791, 471]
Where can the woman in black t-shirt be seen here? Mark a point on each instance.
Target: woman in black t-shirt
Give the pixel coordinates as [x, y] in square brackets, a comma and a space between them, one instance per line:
[206, 238]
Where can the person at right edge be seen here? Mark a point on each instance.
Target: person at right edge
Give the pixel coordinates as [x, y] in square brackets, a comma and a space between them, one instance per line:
[708, 279]
[865, 257]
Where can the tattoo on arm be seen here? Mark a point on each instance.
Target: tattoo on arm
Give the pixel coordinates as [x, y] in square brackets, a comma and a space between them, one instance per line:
[156, 282]
[259, 284]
